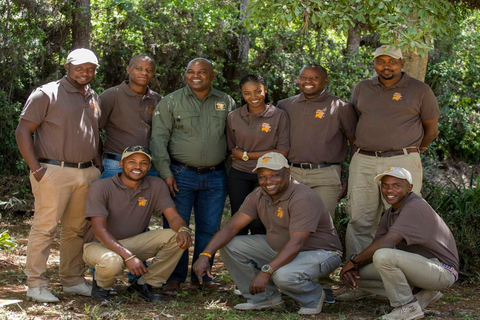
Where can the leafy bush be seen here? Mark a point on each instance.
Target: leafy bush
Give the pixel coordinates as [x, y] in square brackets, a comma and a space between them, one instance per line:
[459, 206]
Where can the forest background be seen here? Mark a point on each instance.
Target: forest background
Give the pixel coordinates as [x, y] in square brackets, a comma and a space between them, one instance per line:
[275, 38]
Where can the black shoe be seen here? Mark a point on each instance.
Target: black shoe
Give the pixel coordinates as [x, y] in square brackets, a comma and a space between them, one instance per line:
[99, 293]
[145, 291]
[329, 297]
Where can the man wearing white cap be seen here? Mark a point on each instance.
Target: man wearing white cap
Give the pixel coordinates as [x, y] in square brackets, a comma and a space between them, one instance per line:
[413, 256]
[63, 116]
[398, 118]
[301, 243]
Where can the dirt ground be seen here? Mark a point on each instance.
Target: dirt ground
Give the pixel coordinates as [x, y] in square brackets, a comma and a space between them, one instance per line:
[462, 301]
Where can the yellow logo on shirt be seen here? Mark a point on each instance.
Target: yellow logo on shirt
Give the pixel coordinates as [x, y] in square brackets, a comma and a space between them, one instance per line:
[220, 106]
[150, 109]
[280, 212]
[142, 202]
[397, 96]
[95, 107]
[266, 127]
[319, 114]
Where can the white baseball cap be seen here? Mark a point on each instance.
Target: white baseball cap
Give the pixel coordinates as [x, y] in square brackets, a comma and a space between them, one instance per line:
[81, 56]
[396, 172]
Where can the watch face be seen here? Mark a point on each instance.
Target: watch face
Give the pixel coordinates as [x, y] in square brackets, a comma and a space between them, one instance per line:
[266, 268]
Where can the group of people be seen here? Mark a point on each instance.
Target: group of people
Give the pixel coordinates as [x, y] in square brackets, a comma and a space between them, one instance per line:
[284, 183]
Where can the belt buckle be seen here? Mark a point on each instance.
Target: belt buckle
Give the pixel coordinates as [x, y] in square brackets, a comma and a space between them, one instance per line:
[306, 165]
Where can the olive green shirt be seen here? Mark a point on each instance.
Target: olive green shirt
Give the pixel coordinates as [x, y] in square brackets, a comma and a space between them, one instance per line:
[189, 130]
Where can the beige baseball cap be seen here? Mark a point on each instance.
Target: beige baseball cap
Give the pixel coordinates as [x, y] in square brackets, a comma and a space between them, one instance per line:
[395, 53]
[396, 172]
[81, 56]
[135, 149]
[272, 161]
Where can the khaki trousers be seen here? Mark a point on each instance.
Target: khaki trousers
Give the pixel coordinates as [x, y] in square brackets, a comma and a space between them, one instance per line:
[324, 181]
[60, 197]
[393, 273]
[159, 244]
[365, 202]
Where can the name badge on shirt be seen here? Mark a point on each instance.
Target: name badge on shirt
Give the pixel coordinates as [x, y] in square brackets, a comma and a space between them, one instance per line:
[220, 106]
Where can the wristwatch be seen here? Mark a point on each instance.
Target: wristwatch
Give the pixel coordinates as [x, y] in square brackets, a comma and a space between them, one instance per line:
[245, 156]
[267, 269]
[356, 264]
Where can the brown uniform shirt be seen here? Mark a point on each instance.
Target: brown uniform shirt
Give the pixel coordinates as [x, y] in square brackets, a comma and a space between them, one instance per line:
[68, 121]
[269, 130]
[391, 118]
[127, 211]
[298, 209]
[423, 230]
[319, 128]
[127, 117]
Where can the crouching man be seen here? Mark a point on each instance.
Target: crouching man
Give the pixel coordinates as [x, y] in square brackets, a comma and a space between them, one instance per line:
[301, 243]
[413, 256]
[119, 211]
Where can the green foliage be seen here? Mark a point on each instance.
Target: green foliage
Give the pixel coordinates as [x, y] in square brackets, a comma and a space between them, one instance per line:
[459, 206]
[453, 75]
[6, 243]
[411, 25]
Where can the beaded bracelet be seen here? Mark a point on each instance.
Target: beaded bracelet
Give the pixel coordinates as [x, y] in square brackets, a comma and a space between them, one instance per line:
[34, 172]
[185, 229]
[206, 254]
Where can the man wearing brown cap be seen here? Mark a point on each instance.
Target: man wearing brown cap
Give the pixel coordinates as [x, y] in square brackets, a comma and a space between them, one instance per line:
[413, 256]
[63, 116]
[398, 118]
[301, 243]
[119, 210]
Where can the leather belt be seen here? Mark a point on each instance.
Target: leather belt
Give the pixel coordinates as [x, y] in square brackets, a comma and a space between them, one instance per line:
[112, 156]
[201, 170]
[80, 165]
[387, 153]
[306, 165]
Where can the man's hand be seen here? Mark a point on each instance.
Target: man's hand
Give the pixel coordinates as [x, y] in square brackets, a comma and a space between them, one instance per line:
[172, 185]
[259, 283]
[184, 240]
[343, 193]
[202, 267]
[348, 275]
[136, 267]
[39, 175]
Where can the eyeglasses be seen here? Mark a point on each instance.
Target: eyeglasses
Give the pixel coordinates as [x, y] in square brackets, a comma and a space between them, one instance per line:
[137, 148]
[380, 62]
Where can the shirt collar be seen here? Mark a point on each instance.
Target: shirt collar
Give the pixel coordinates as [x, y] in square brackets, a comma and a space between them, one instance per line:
[286, 194]
[118, 182]
[322, 96]
[125, 87]
[71, 88]
[267, 113]
[403, 82]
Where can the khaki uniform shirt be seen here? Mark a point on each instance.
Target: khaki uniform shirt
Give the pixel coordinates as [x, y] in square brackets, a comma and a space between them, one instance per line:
[391, 118]
[67, 121]
[422, 229]
[267, 131]
[189, 130]
[127, 211]
[298, 209]
[127, 117]
[319, 128]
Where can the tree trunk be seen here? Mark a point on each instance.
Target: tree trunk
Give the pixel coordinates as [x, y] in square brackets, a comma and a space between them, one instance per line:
[81, 24]
[353, 40]
[415, 66]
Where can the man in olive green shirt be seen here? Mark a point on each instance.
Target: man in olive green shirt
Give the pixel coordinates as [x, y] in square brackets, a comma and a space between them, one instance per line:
[189, 148]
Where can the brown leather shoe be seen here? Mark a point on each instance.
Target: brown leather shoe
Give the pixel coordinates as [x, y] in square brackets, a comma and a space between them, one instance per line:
[172, 288]
[209, 286]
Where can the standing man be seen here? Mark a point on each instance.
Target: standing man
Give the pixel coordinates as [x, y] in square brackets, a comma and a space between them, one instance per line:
[63, 117]
[127, 111]
[320, 126]
[301, 243]
[111, 244]
[413, 248]
[189, 148]
[398, 118]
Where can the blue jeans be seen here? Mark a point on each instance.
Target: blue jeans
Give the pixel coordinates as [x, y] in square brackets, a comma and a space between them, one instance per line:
[112, 167]
[206, 194]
